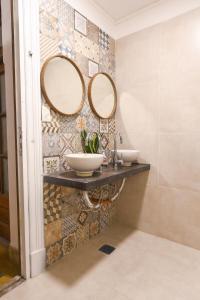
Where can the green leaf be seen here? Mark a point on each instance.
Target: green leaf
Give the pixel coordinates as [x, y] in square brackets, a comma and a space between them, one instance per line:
[95, 142]
[84, 134]
[89, 145]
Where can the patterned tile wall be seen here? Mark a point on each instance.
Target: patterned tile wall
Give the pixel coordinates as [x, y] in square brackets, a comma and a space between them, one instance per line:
[68, 223]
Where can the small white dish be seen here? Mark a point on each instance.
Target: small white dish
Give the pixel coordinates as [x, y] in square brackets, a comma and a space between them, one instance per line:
[127, 156]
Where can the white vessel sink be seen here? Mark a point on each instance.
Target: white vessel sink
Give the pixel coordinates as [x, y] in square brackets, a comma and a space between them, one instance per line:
[127, 156]
[84, 163]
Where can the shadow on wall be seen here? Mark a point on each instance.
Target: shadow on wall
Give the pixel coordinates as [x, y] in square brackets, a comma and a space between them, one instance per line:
[133, 128]
[130, 203]
[134, 117]
[84, 259]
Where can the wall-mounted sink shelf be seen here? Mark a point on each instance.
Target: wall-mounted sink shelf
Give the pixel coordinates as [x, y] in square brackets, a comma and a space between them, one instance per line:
[108, 175]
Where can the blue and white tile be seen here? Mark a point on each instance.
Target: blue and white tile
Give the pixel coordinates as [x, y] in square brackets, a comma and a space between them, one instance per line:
[51, 144]
[104, 40]
[49, 6]
[48, 25]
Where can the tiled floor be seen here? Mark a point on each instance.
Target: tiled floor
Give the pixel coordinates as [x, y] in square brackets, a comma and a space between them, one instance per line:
[143, 267]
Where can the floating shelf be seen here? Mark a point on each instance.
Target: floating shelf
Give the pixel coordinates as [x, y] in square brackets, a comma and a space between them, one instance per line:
[108, 175]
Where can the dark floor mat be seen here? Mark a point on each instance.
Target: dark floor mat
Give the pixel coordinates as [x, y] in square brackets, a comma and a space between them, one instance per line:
[107, 249]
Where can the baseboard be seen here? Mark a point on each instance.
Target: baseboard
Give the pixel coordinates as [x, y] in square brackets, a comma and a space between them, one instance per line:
[38, 262]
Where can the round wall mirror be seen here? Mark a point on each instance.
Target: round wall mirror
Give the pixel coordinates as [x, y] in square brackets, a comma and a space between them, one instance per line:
[62, 85]
[102, 95]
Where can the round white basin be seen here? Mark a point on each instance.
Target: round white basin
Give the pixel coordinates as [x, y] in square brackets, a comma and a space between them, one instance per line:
[84, 163]
[127, 156]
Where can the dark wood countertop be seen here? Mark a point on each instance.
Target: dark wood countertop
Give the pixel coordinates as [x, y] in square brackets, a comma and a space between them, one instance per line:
[108, 175]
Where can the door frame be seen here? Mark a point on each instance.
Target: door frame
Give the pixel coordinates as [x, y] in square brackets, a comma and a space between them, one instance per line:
[28, 134]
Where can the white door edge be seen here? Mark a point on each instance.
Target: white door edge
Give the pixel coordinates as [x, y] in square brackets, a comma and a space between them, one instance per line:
[30, 169]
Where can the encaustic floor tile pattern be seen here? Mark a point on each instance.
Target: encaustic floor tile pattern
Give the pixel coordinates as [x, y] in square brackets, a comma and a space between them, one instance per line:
[68, 223]
[142, 267]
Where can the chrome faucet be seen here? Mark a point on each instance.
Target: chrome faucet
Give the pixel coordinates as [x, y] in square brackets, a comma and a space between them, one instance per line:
[116, 161]
[120, 139]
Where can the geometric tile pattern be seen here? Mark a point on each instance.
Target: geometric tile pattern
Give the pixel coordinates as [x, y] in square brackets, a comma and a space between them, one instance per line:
[111, 126]
[103, 126]
[51, 164]
[66, 49]
[46, 188]
[68, 222]
[104, 141]
[86, 47]
[48, 24]
[104, 219]
[92, 122]
[65, 14]
[55, 116]
[52, 204]
[69, 243]
[103, 39]
[49, 6]
[52, 232]
[82, 62]
[94, 228]
[82, 217]
[106, 62]
[67, 144]
[81, 122]
[50, 144]
[69, 225]
[93, 216]
[93, 68]
[92, 32]
[50, 127]
[82, 234]
[80, 23]
[46, 113]
[53, 253]
[48, 47]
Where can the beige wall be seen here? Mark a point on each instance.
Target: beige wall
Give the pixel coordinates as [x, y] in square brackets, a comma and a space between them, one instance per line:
[158, 78]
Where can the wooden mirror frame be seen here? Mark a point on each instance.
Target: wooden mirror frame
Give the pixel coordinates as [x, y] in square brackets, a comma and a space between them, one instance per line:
[44, 90]
[90, 95]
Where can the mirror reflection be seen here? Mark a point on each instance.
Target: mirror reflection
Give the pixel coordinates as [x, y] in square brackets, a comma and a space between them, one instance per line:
[102, 95]
[62, 85]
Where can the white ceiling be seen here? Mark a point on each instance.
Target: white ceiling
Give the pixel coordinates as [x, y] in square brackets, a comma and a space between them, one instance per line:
[123, 17]
[119, 10]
